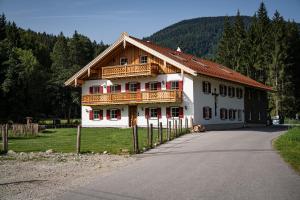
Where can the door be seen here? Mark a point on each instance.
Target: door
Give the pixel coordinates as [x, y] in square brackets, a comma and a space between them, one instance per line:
[132, 115]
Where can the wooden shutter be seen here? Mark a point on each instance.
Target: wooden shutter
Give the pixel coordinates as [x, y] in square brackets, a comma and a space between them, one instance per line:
[180, 85]
[91, 90]
[209, 113]
[147, 86]
[168, 85]
[138, 87]
[101, 114]
[91, 115]
[127, 87]
[233, 92]
[168, 112]
[159, 86]
[108, 89]
[225, 90]
[107, 114]
[118, 114]
[221, 113]
[221, 90]
[146, 113]
[159, 112]
[180, 112]
[101, 89]
[203, 86]
[203, 112]
[209, 87]
[226, 115]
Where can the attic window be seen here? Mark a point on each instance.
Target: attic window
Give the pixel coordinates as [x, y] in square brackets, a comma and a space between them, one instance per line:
[200, 63]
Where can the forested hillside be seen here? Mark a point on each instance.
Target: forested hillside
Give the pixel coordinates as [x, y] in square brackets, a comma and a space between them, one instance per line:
[33, 68]
[199, 36]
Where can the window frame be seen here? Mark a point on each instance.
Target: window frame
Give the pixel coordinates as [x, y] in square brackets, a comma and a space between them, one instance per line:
[232, 116]
[95, 91]
[171, 111]
[113, 88]
[176, 86]
[115, 113]
[239, 115]
[206, 87]
[129, 86]
[223, 113]
[224, 90]
[96, 117]
[151, 84]
[126, 63]
[207, 113]
[141, 59]
[150, 113]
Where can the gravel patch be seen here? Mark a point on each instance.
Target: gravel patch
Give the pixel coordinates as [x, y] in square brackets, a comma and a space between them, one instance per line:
[48, 175]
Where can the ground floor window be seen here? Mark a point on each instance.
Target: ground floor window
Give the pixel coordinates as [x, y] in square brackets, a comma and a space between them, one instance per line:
[206, 113]
[153, 112]
[240, 115]
[174, 111]
[231, 114]
[113, 114]
[223, 113]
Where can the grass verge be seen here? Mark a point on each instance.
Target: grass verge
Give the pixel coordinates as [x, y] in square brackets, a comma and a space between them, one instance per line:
[288, 146]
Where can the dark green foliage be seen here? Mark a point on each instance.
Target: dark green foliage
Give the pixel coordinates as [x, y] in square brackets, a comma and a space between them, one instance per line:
[199, 36]
[33, 68]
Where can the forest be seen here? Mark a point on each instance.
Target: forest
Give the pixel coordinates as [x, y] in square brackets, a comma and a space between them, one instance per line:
[34, 66]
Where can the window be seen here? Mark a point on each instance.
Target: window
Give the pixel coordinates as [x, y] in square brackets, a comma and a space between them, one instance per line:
[153, 85]
[250, 116]
[132, 87]
[144, 59]
[153, 112]
[95, 89]
[240, 115]
[259, 117]
[174, 111]
[231, 91]
[174, 85]
[231, 114]
[223, 90]
[223, 113]
[207, 113]
[96, 114]
[123, 61]
[206, 86]
[239, 93]
[115, 88]
[113, 114]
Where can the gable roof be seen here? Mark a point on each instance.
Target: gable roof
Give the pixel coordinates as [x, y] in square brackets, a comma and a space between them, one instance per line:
[186, 62]
[205, 67]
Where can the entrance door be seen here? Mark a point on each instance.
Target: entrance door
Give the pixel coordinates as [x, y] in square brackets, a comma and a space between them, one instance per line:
[132, 115]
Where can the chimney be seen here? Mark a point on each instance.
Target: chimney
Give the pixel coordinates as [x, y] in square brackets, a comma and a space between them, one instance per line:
[178, 49]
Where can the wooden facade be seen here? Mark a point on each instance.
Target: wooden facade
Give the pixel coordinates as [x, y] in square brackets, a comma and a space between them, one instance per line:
[167, 96]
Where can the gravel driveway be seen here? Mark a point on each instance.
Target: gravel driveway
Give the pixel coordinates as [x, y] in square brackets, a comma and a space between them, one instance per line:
[239, 164]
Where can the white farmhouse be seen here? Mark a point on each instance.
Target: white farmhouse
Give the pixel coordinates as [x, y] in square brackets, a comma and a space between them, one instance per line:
[135, 80]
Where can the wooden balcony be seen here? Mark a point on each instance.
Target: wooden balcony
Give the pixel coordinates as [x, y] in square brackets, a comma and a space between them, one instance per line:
[166, 96]
[132, 70]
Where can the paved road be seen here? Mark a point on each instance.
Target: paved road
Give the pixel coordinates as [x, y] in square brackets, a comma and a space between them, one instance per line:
[239, 164]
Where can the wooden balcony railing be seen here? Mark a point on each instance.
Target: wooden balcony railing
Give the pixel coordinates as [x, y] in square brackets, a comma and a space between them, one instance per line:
[120, 71]
[133, 97]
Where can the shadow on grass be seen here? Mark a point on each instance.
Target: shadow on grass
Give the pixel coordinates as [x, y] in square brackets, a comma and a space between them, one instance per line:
[27, 137]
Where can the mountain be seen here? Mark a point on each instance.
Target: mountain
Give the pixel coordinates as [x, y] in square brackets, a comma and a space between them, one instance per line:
[198, 36]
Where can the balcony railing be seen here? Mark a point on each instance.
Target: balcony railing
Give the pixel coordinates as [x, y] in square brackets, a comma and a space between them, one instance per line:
[167, 96]
[132, 70]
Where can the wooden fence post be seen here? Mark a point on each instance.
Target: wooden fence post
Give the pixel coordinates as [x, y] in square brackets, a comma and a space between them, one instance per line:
[186, 125]
[169, 131]
[160, 133]
[151, 135]
[148, 133]
[5, 138]
[180, 126]
[78, 139]
[175, 128]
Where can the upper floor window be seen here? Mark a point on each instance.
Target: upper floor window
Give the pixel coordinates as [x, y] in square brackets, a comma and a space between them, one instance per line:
[223, 90]
[174, 85]
[144, 59]
[206, 112]
[206, 86]
[239, 93]
[115, 88]
[95, 89]
[231, 91]
[153, 85]
[133, 86]
[123, 61]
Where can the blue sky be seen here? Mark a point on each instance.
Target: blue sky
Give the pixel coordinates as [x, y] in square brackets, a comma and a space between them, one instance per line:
[106, 19]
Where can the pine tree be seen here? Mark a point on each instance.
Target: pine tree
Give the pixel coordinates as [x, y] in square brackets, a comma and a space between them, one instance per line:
[224, 53]
[2, 27]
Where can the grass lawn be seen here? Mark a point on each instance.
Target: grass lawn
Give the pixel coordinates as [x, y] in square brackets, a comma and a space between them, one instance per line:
[288, 146]
[92, 140]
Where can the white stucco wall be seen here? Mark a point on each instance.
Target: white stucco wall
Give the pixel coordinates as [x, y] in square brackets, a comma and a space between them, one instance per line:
[201, 100]
[187, 103]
